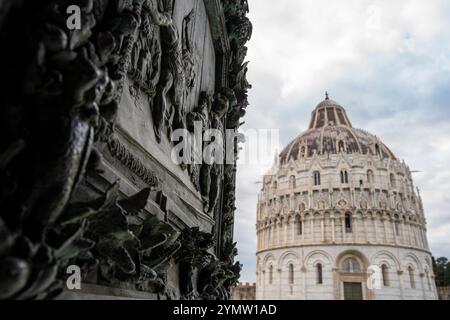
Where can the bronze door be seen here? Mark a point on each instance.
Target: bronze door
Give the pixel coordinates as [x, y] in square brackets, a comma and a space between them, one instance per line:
[353, 291]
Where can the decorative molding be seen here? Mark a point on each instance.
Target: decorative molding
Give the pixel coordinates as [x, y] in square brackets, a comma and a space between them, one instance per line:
[128, 159]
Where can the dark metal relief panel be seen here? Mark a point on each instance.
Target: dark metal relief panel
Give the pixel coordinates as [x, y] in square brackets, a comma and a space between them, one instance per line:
[86, 177]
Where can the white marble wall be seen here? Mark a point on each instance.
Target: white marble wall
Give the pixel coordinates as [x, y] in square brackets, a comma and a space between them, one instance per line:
[305, 258]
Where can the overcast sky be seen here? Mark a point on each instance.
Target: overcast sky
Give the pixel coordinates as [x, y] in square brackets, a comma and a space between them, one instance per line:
[386, 62]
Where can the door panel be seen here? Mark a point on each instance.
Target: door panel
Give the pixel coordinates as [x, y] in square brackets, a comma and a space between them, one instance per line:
[353, 291]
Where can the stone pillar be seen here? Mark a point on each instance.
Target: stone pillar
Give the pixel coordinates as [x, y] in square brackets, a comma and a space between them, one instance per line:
[263, 285]
[333, 235]
[400, 281]
[394, 231]
[336, 284]
[366, 236]
[285, 232]
[302, 225]
[374, 222]
[422, 275]
[322, 228]
[293, 232]
[305, 293]
[384, 229]
[280, 284]
[352, 195]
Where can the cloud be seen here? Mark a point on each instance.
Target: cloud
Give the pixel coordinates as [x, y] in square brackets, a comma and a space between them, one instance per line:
[387, 62]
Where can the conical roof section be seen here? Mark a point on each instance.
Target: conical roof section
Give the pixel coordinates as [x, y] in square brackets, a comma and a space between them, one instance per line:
[329, 112]
[331, 132]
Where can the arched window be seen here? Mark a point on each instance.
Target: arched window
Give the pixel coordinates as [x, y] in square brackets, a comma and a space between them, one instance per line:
[292, 182]
[303, 152]
[385, 275]
[270, 274]
[344, 176]
[316, 178]
[348, 223]
[392, 178]
[298, 226]
[291, 274]
[377, 149]
[370, 177]
[319, 273]
[412, 282]
[341, 146]
[351, 265]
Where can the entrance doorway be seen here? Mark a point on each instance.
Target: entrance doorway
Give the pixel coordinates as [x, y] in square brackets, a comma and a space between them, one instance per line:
[353, 291]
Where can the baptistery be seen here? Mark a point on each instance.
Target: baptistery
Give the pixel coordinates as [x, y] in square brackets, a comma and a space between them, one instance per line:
[339, 218]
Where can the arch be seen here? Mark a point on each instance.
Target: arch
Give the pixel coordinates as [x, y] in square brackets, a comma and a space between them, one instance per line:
[379, 254]
[268, 259]
[351, 264]
[355, 253]
[288, 257]
[411, 255]
[319, 252]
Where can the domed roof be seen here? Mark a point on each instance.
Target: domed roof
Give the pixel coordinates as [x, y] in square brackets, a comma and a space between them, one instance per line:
[330, 131]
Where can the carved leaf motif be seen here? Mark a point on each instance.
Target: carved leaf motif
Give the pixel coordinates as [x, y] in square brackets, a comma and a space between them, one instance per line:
[135, 204]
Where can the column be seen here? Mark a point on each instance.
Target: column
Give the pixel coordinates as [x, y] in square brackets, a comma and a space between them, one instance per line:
[279, 283]
[263, 284]
[302, 225]
[424, 296]
[293, 233]
[411, 235]
[285, 232]
[305, 293]
[400, 280]
[385, 230]
[322, 228]
[366, 236]
[374, 222]
[394, 231]
[333, 235]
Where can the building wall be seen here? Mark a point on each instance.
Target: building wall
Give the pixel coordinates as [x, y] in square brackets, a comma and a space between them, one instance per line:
[318, 206]
[244, 291]
[305, 280]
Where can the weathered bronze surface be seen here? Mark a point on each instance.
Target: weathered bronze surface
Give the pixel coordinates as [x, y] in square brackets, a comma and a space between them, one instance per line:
[70, 174]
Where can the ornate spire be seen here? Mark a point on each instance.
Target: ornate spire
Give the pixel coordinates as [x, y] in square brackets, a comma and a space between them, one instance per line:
[326, 95]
